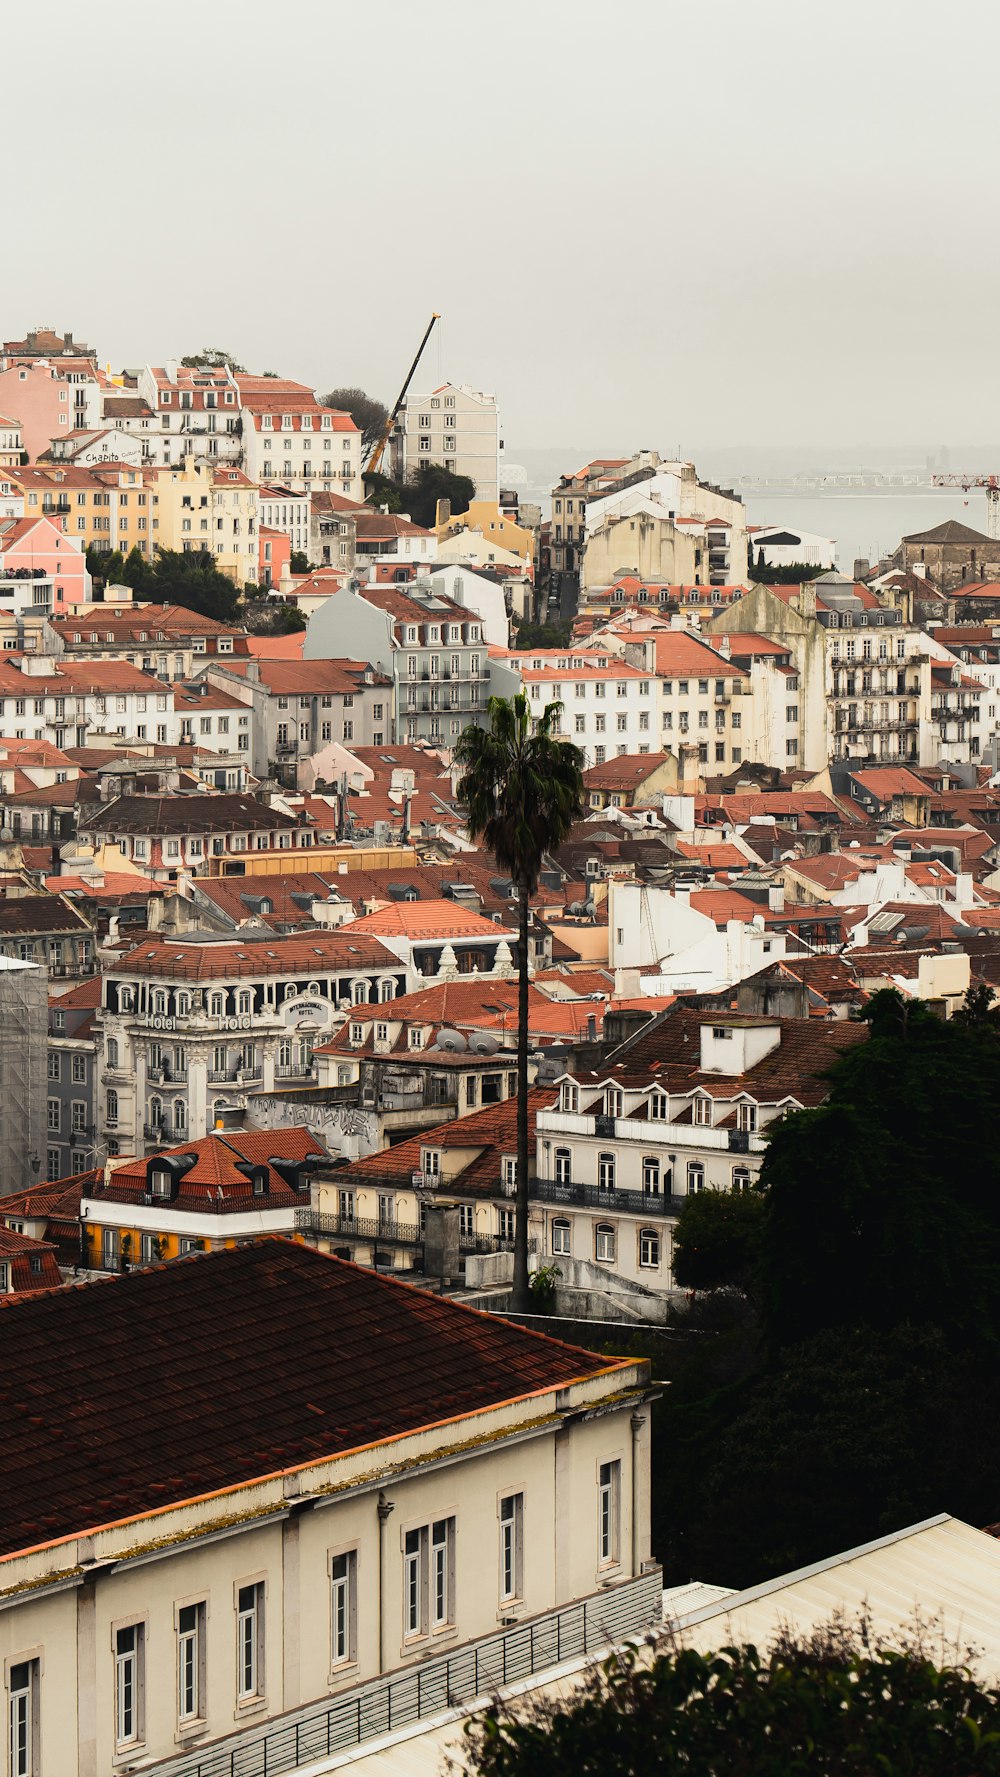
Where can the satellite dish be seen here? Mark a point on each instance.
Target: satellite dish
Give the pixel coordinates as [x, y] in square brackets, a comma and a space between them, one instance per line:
[483, 1044]
[452, 1041]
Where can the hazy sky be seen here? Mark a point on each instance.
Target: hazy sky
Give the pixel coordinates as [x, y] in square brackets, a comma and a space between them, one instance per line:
[645, 223]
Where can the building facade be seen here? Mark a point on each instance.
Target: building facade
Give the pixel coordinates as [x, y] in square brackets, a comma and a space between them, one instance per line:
[455, 426]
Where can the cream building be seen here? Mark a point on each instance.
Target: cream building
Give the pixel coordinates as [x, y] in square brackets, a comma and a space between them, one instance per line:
[455, 426]
[202, 505]
[339, 1549]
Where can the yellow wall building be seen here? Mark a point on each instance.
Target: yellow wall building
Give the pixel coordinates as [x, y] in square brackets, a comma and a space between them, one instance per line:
[209, 506]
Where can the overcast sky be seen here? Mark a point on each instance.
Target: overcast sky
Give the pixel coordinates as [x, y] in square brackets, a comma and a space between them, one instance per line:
[645, 223]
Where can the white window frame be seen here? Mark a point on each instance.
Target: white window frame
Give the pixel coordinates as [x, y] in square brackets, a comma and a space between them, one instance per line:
[561, 1236]
[129, 1682]
[22, 1716]
[343, 1571]
[609, 1488]
[510, 1513]
[189, 1618]
[249, 1601]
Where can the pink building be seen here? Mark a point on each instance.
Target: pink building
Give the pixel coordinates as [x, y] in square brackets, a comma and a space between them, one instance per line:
[38, 396]
[35, 553]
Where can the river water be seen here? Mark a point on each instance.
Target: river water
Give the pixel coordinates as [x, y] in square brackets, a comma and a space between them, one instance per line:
[865, 522]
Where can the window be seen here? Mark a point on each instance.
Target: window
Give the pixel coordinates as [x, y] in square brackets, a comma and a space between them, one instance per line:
[695, 1176]
[428, 1577]
[604, 1243]
[250, 1642]
[659, 1107]
[54, 1117]
[190, 1652]
[701, 1110]
[128, 1684]
[563, 1166]
[569, 1097]
[22, 1718]
[343, 1570]
[505, 1224]
[55, 1065]
[649, 1249]
[651, 1174]
[609, 1511]
[511, 1547]
[741, 1178]
[746, 1116]
[605, 1172]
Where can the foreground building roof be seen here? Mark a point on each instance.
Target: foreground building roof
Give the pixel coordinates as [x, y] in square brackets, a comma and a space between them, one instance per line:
[178, 1382]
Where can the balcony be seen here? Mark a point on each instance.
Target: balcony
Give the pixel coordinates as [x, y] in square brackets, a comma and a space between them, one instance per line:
[632, 1203]
[604, 1127]
[387, 1233]
[164, 1075]
[373, 1708]
[293, 1070]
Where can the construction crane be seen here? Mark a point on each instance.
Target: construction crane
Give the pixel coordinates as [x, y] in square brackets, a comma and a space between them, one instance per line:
[990, 485]
[374, 462]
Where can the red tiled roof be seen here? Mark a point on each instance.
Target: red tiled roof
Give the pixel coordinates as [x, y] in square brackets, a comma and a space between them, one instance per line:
[491, 1133]
[32, 1262]
[216, 1183]
[310, 1356]
[624, 772]
[180, 960]
[428, 919]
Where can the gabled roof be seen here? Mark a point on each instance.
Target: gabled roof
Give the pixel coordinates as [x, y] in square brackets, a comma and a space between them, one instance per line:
[421, 920]
[487, 1135]
[951, 531]
[288, 1357]
[215, 1182]
[625, 772]
[667, 1053]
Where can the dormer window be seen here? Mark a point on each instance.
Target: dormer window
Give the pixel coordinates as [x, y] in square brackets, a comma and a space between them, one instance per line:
[701, 1110]
[613, 1102]
[357, 1033]
[430, 1163]
[659, 1107]
[161, 1184]
[746, 1116]
[415, 1037]
[569, 1098]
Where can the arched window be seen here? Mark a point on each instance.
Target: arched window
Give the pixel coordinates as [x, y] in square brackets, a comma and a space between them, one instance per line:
[244, 1002]
[696, 1176]
[183, 1005]
[180, 1116]
[651, 1174]
[564, 1166]
[217, 1004]
[604, 1243]
[155, 1112]
[313, 987]
[359, 992]
[741, 1178]
[159, 1002]
[284, 1053]
[111, 1107]
[649, 1248]
[605, 1172]
[112, 1051]
[561, 1236]
[386, 991]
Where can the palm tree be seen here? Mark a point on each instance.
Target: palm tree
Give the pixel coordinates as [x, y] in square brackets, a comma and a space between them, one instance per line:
[522, 789]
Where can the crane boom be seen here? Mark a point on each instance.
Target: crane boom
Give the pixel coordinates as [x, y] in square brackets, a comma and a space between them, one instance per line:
[990, 485]
[374, 462]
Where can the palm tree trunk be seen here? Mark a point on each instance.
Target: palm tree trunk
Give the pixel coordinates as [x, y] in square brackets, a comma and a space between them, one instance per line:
[521, 1297]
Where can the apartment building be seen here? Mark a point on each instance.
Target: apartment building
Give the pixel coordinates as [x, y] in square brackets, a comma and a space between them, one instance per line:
[455, 426]
[101, 508]
[374, 1544]
[188, 1027]
[202, 1197]
[42, 571]
[70, 703]
[659, 513]
[164, 835]
[433, 649]
[169, 641]
[680, 1107]
[11, 442]
[201, 505]
[287, 509]
[48, 399]
[193, 411]
[287, 437]
[47, 930]
[71, 1082]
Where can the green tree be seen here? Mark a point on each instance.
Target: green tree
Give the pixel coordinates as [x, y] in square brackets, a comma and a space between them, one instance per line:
[522, 787]
[883, 1203]
[541, 635]
[420, 495]
[716, 1240]
[212, 358]
[191, 578]
[368, 413]
[840, 1700]
[791, 574]
[299, 562]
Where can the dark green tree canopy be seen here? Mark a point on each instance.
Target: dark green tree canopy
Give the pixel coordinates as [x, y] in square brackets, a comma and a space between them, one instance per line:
[212, 358]
[368, 413]
[883, 1203]
[173, 577]
[419, 495]
[716, 1240]
[841, 1701]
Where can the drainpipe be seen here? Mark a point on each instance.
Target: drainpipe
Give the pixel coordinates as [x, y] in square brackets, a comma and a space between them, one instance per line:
[637, 1422]
[386, 1507]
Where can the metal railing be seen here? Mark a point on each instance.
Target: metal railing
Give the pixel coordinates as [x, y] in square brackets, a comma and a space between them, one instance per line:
[639, 1203]
[446, 1681]
[311, 1221]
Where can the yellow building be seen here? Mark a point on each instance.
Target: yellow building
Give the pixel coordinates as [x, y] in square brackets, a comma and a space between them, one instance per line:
[199, 1197]
[212, 506]
[103, 508]
[485, 517]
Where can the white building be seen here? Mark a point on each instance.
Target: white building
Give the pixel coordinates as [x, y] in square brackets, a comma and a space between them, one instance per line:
[355, 1549]
[659, 943]
[286, 509]
[456, 426]
[288, 437]
[785, 546]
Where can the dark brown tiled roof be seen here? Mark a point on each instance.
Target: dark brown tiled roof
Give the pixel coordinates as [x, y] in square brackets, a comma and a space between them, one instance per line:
[187, 814]
[668, 1053]
[39, 913]
[175, 1382]
[489, 1134]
